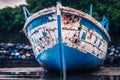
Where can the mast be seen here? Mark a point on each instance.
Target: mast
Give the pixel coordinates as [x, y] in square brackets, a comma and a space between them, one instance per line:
[91, 9]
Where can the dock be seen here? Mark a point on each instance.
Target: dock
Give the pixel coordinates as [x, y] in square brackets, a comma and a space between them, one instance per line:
[109, 71]
[22, 73]
[39, 73]
[22, 69]
[103, 71]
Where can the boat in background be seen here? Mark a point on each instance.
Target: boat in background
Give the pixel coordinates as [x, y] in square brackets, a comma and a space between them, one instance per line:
[64, 38]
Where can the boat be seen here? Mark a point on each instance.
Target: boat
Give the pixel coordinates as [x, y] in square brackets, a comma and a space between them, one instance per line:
[66, 39]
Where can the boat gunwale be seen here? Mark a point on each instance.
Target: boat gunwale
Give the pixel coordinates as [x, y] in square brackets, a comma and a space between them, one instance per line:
[69, 10]
[38, 14]
[86, 16]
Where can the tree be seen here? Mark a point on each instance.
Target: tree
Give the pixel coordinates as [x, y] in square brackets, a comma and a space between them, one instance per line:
[11, 19]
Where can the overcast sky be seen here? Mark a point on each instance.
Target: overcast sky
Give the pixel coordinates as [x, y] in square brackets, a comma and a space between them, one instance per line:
[10, 3]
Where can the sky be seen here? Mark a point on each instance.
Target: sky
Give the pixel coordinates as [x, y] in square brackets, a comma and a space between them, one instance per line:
[11, 3]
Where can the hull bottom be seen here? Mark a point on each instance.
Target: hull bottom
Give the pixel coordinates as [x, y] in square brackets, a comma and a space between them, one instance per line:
[75, 60]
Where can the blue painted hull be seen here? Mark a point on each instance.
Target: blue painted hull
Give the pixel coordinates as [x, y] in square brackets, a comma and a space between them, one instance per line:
[63, 39]
[74, 59]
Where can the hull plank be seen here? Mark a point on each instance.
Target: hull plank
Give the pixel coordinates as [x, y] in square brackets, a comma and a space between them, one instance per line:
[74, 59]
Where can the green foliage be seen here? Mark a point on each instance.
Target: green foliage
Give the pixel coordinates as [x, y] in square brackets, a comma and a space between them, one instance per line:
[38, 5]
[12, 18]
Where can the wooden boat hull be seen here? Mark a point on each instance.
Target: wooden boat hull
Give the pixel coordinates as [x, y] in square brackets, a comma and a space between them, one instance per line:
[75, 60]
[80, 39]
